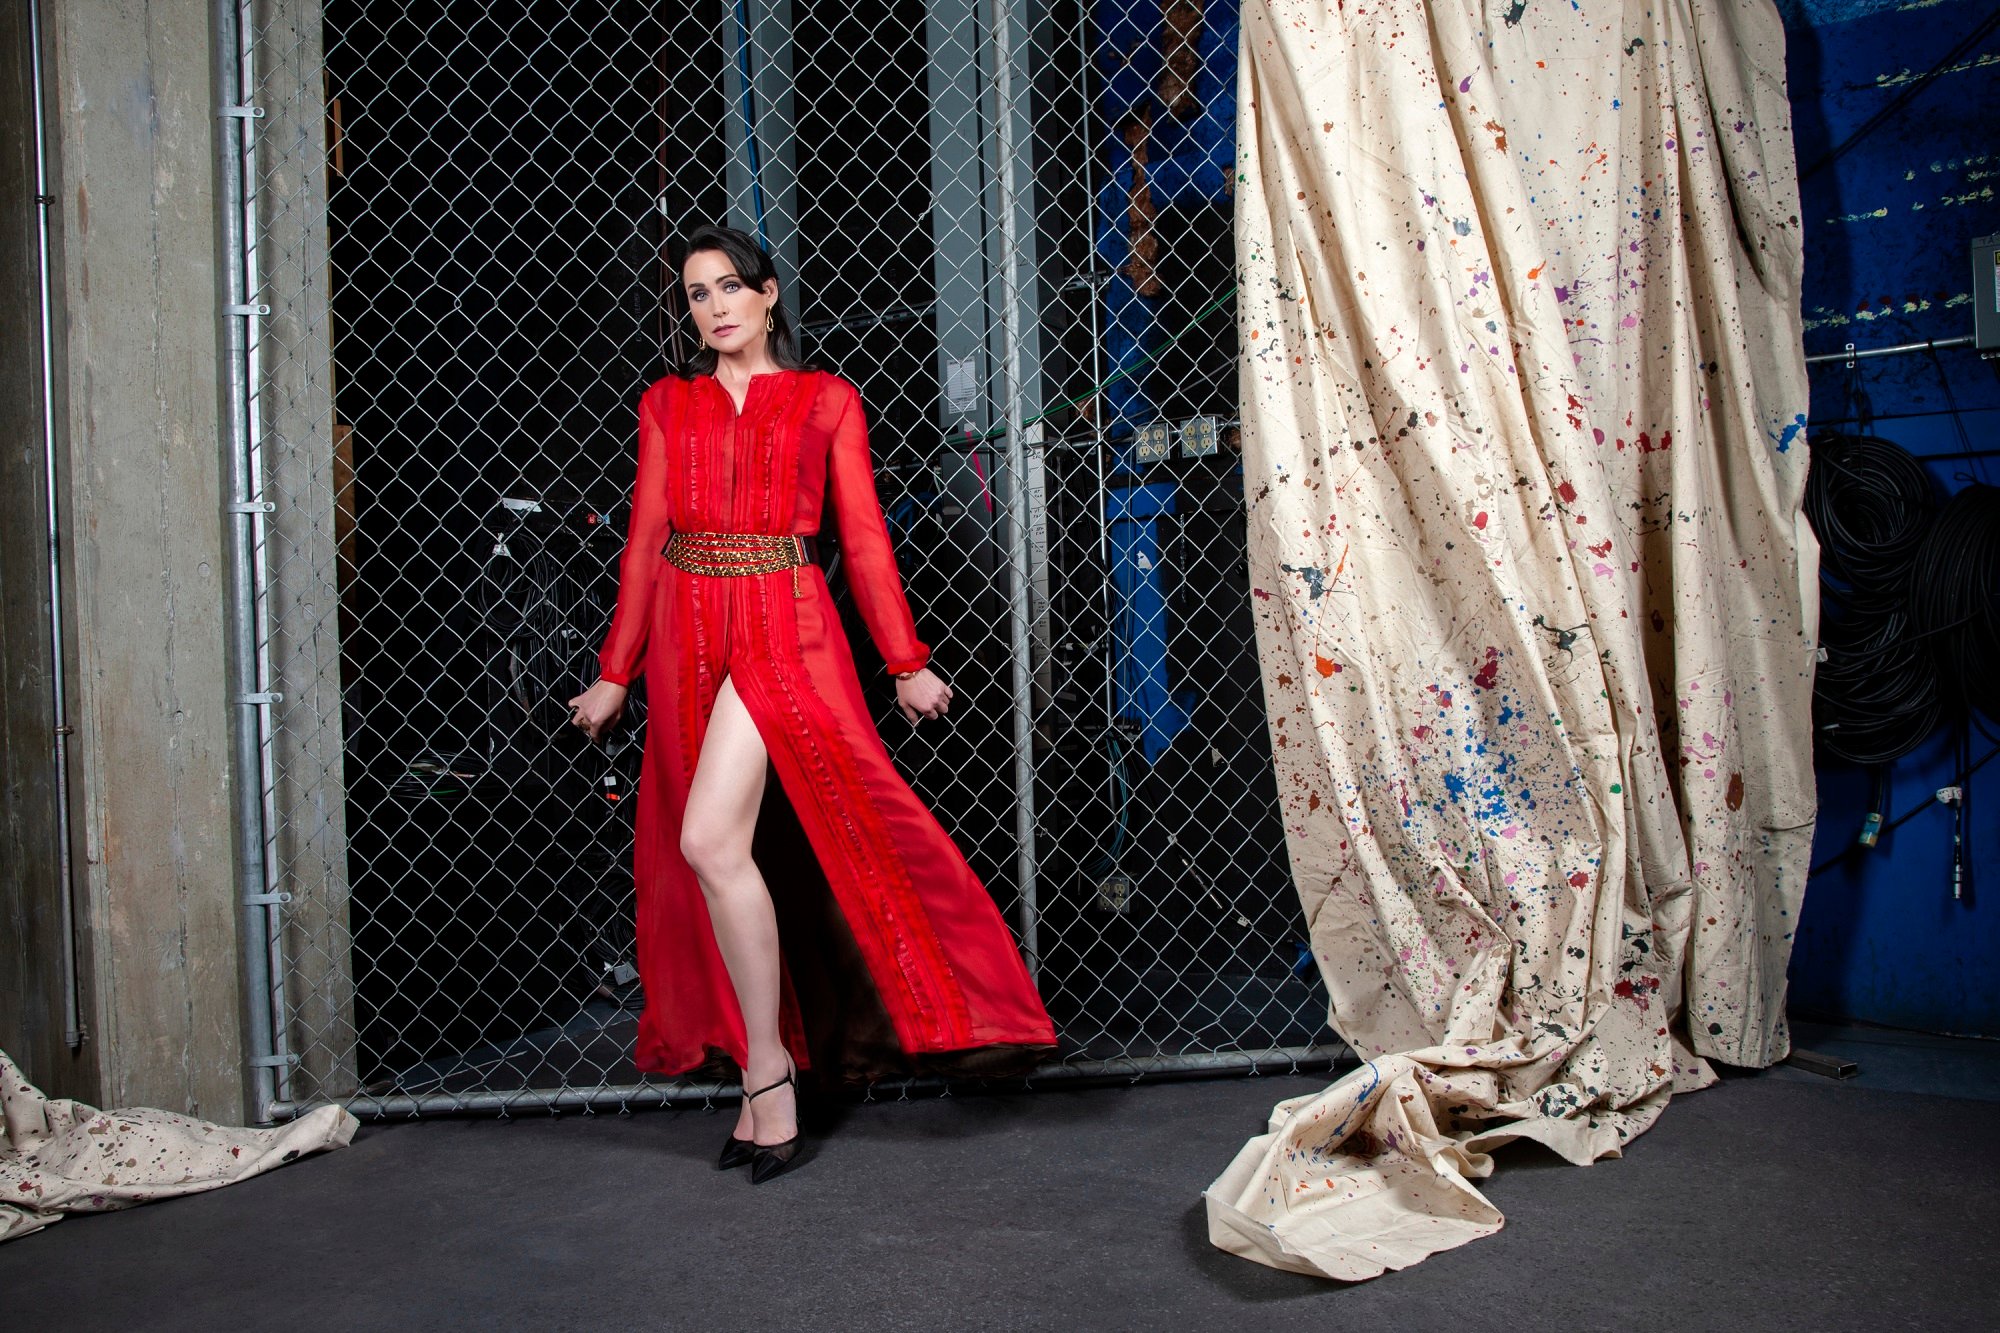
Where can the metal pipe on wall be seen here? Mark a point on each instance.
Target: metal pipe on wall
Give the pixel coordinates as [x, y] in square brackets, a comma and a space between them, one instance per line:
[66, 868]
[247, 787]
[1900, 349]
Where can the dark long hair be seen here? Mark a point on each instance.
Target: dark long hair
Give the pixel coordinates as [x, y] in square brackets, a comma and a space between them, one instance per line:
[754, 266]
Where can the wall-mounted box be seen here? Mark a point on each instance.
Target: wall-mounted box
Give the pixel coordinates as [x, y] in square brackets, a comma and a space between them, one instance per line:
[1986, 294]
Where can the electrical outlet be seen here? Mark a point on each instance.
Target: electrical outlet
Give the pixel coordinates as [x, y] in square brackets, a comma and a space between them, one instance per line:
[1114, 893]
[1154, 442]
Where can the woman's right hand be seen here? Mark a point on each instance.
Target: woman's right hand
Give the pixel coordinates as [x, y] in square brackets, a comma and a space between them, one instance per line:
[597, 708]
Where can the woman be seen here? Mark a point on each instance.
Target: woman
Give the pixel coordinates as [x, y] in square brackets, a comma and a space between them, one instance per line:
[723, 609]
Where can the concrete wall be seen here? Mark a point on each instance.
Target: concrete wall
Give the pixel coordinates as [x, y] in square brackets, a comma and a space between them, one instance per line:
[130, 88]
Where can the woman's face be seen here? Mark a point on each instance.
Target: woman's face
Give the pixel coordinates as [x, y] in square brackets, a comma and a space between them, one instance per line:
[728, 311]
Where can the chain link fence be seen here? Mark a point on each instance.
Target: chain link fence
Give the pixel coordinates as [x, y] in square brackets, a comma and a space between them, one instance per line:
[1008, 223]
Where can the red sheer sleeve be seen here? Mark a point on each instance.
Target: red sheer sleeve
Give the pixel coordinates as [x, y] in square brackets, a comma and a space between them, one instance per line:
[864, 538]
[623, 656]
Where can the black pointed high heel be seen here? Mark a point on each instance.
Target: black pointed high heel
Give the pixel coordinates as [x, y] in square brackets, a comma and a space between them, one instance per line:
[735, 1152]
[768, 1160]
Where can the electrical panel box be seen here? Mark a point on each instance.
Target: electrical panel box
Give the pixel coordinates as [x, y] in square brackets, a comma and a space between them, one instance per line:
[1986, 294]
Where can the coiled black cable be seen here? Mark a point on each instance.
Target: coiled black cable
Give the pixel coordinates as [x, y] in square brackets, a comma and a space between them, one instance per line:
[1910, 614]
[1954, 599]
[1872, 505]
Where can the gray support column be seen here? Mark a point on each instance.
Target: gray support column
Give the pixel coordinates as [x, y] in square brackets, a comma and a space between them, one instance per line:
[983, 230]
[953, 36]
[959, 153]
[757, 126]
[134, 104]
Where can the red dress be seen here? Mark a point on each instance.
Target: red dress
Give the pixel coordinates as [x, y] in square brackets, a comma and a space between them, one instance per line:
[937, 967]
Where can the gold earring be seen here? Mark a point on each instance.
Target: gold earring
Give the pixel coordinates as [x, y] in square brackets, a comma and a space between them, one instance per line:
[770, 322]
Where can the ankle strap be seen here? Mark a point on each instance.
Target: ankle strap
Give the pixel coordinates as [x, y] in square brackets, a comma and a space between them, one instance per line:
[752, 1096]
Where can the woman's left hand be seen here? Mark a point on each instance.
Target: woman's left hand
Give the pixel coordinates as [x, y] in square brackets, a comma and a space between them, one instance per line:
[923, 695]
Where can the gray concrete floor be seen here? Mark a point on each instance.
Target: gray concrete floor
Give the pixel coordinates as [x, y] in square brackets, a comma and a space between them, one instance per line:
[1774, 1201]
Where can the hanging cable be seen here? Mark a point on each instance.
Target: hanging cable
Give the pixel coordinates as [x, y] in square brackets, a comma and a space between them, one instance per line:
[1870, 503]
[1954, 598]
[1962, 779]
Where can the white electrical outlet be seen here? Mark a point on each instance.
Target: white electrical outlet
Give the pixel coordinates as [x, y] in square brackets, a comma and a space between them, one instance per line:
[1114, 893]
[1154, 442]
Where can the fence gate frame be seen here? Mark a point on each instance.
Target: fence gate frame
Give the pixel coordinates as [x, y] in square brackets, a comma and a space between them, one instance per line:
[290, 523]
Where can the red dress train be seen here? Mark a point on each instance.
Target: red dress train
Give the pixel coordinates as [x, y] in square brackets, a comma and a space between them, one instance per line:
[915, 935]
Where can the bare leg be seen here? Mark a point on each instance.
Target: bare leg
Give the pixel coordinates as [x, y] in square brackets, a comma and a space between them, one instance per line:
[721, 816]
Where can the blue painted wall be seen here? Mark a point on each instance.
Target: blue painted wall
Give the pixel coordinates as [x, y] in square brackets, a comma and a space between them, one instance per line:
[1887, 224]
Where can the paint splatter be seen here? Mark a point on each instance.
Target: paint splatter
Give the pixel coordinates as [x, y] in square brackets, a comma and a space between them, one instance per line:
[1783, 438]
[1314, 576]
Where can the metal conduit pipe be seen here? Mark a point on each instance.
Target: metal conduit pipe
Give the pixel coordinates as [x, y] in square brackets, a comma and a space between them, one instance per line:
[246, 785]
[1020, 623]
[1850, 354]
[66, 869]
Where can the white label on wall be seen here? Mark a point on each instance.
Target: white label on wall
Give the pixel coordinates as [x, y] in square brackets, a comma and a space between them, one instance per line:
[961, 384]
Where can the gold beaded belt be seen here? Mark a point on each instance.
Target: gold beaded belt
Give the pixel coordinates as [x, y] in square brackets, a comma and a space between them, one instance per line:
[726, 554]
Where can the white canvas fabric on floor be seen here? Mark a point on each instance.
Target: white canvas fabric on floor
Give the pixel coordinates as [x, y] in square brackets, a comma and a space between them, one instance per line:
[61, 1156]
[1522, 397]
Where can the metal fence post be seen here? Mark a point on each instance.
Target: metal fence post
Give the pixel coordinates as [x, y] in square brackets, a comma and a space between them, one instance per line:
[249, 700]
[1020, 622]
